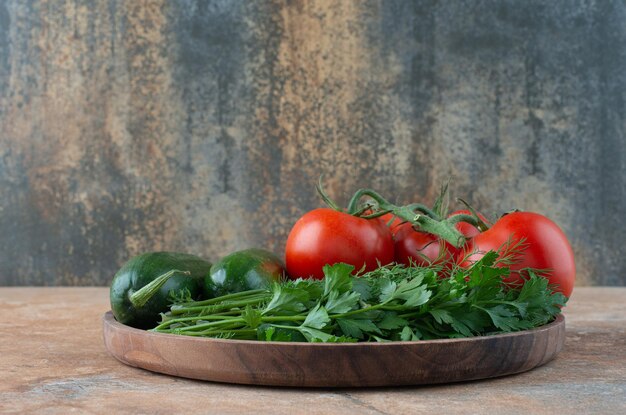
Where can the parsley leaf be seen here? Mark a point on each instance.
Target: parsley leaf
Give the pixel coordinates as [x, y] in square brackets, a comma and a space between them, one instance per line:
[442, 316]
[252, 317]
[387, 290]
[356, 328]
[408, 334]
[393, 302]
[342, 303]
[391, 321]
[317, 318]
[315, 336]
[287, 299]
[338, 278]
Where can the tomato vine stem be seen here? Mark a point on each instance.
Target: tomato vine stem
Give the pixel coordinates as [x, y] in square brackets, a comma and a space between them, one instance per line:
[331, 203]
[480, 224]
[421, 217]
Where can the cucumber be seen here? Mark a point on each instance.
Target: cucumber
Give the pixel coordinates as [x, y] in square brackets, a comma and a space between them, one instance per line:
[164, 273]
[250, 269]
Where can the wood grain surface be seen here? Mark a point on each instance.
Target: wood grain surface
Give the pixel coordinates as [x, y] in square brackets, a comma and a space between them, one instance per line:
[334, 365]
[202, 126]
[53, 361]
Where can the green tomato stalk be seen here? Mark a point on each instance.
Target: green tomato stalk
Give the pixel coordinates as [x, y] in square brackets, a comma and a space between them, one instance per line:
[422, 218]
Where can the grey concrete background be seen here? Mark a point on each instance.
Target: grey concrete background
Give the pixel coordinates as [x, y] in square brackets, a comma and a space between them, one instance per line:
[202, 126]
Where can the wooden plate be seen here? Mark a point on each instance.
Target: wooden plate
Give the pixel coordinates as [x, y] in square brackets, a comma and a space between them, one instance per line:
[334, 365]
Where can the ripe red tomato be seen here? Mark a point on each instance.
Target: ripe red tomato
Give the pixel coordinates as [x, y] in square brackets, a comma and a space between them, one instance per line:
[468, 230]
[326, 236]
[546, 248]
[392, 222]
[422, 248]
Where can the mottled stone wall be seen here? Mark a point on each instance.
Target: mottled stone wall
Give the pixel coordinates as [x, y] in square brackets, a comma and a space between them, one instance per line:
[202, 126]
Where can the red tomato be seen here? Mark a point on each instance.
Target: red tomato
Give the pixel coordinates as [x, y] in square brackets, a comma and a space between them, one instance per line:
[326, 236]
[546, 248]
[392, 222]
[419, 248]
[423, 248]
[469, 231]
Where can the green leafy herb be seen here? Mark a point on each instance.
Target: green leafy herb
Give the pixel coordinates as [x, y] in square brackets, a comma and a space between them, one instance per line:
[316, 318]
[343, 303]
[287, 299]
[253, 318]
[358, 328]
[392, 303]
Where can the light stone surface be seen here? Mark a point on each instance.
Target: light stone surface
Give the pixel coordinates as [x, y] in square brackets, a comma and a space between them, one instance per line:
[53, 361]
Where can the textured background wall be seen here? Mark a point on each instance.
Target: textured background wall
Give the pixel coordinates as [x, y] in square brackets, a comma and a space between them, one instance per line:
[202, 126]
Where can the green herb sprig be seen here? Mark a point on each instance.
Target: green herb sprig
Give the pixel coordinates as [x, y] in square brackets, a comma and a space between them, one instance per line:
[391, 303]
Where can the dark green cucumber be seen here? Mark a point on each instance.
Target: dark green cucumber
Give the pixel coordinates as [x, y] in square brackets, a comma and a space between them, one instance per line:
[145, 269]
[250, 269]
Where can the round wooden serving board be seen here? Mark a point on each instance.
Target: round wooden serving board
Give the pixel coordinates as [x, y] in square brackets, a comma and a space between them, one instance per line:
[332, 364]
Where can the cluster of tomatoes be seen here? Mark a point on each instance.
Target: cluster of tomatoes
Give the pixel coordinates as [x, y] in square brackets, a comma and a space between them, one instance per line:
[523, 240]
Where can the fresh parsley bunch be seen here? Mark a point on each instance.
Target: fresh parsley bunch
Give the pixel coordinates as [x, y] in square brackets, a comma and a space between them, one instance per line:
[391, 303]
